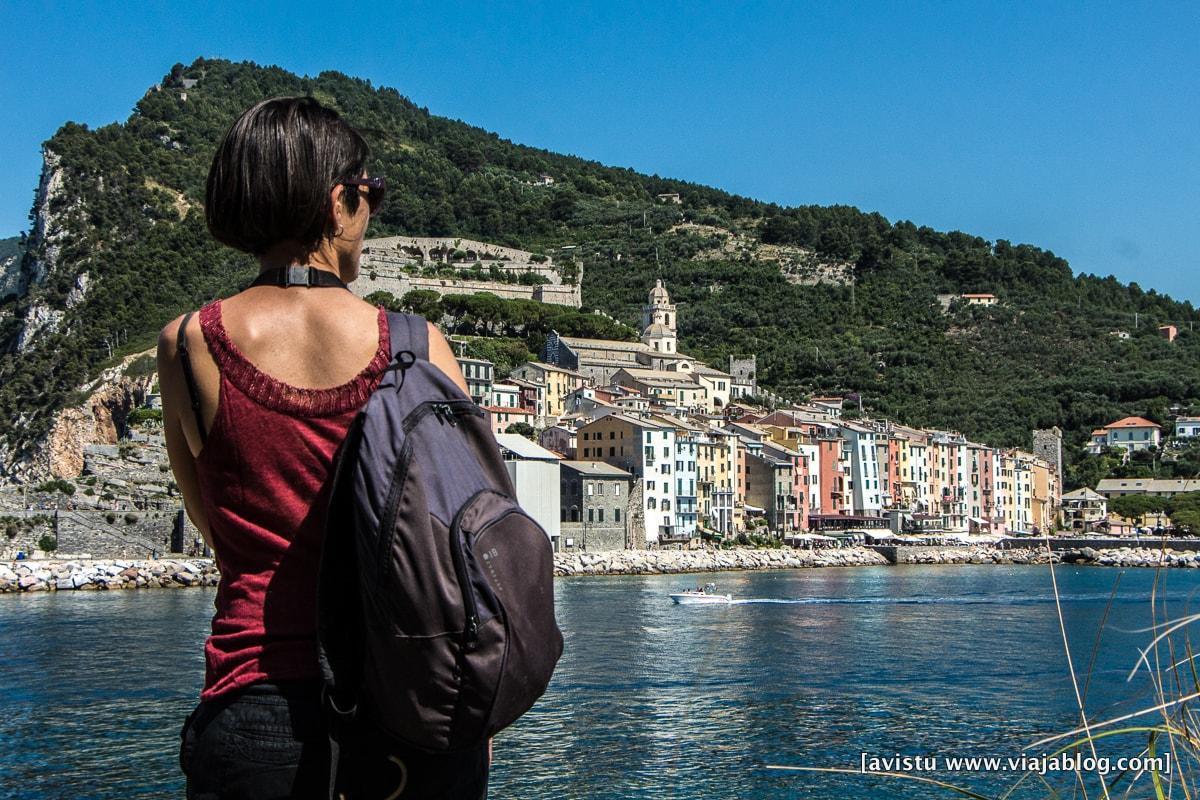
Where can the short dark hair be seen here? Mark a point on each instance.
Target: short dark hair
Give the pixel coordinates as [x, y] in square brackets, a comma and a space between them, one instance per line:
[271, 175]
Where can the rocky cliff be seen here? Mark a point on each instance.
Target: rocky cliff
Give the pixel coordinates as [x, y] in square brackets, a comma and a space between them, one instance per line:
[100, 418]
[11, 252]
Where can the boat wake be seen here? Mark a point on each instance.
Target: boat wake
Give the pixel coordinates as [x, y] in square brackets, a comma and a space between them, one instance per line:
[983, 600]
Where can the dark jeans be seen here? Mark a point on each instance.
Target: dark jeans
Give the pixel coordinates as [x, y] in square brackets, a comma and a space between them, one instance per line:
[270, 742]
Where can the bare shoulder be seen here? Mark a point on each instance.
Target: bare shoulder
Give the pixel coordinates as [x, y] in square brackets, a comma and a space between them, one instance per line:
[437, 342]
[168, 340]
[443, 357]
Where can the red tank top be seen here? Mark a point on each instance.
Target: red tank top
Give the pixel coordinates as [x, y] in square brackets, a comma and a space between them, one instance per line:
[262, 474]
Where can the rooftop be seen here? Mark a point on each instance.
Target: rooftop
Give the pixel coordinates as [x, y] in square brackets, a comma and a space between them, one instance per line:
[1175, 485]
[641, 422]
[602, 344]
[596, 469]
[1084, 494]
[1132, 422]
[549, 367]
[524, 449]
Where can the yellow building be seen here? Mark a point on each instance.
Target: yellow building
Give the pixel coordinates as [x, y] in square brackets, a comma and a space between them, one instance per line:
[716, 479]
[675, 389]
[1044, 500]
[558, 382]
[1007, 489]
[912, 464]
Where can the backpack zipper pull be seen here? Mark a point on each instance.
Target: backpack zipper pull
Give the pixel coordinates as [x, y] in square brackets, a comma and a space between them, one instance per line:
[445, 414]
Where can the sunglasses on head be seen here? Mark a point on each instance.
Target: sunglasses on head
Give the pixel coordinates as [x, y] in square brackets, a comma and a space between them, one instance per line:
[375, 190]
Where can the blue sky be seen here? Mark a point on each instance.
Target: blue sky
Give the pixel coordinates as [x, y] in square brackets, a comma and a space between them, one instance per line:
[1075, 127]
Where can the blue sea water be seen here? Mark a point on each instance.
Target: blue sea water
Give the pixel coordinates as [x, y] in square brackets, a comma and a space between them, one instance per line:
[807, 668]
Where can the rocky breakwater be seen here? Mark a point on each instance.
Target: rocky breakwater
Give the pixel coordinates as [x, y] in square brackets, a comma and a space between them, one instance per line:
[654, 562]
[973, 555]
[1133, 557]
[52, 576]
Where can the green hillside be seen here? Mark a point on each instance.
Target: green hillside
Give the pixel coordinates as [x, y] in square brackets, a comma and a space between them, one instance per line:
[130, 217]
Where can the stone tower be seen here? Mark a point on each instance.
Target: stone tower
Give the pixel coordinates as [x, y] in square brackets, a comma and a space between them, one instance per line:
[744, 370]
[659, 320]
[1047, 445]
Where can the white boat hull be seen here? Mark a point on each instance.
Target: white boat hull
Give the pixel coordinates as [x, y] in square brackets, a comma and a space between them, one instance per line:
[694, 599]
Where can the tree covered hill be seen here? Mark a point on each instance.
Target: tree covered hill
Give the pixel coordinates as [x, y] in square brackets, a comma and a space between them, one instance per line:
[830, 298]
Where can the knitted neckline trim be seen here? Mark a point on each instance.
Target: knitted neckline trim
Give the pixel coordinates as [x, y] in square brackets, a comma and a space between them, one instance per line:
[282, 396]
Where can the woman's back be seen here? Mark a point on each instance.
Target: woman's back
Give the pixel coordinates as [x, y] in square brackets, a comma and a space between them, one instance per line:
[312, 339]
[264, 467]
[258, 394]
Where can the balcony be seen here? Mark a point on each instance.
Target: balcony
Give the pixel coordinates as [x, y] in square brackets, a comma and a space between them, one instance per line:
[670, 535]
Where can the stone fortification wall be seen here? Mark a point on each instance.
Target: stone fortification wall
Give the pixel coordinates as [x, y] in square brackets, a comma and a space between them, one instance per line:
[566, 294]
[393, 264]
[450, 250]
[22, 531]
[399, 283]
[116, 534]
[592, 537]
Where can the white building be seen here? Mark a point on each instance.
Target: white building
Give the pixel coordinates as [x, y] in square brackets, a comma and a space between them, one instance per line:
[505, 394]
[863, 464]
[1187, 427]
[535, 476]
[1130, 433]
[479, 374]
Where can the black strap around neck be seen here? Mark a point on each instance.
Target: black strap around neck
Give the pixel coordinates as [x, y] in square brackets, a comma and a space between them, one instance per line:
[298, 276]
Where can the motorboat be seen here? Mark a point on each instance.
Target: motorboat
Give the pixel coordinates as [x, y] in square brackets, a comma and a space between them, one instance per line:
[700, 595]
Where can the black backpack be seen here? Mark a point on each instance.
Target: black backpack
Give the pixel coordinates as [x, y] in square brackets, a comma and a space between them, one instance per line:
[436, 600]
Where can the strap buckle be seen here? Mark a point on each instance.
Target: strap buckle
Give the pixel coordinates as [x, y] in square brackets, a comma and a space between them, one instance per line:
[296, 276]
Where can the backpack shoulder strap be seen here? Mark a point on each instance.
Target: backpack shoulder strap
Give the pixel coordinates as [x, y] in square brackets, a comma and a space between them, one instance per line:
[408, 332]
[189, 376]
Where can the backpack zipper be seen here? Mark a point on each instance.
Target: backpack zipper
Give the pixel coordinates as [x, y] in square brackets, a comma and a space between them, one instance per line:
[444, 409]
[471, 627]
[471, 606]
[452, 408]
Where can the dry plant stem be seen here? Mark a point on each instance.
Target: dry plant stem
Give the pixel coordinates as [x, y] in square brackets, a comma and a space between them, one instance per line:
[1099, 635]
[1188, 721]
[1062, 627]
[1167, 629]
[1172, 672]
[1058, 737]
[1159, 681]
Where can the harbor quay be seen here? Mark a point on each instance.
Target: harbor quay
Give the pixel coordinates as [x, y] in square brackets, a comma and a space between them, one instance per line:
[65, 574]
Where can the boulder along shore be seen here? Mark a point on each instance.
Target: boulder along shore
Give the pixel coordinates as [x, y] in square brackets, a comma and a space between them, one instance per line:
[52, 576]
[79, 574]
[665, 562]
